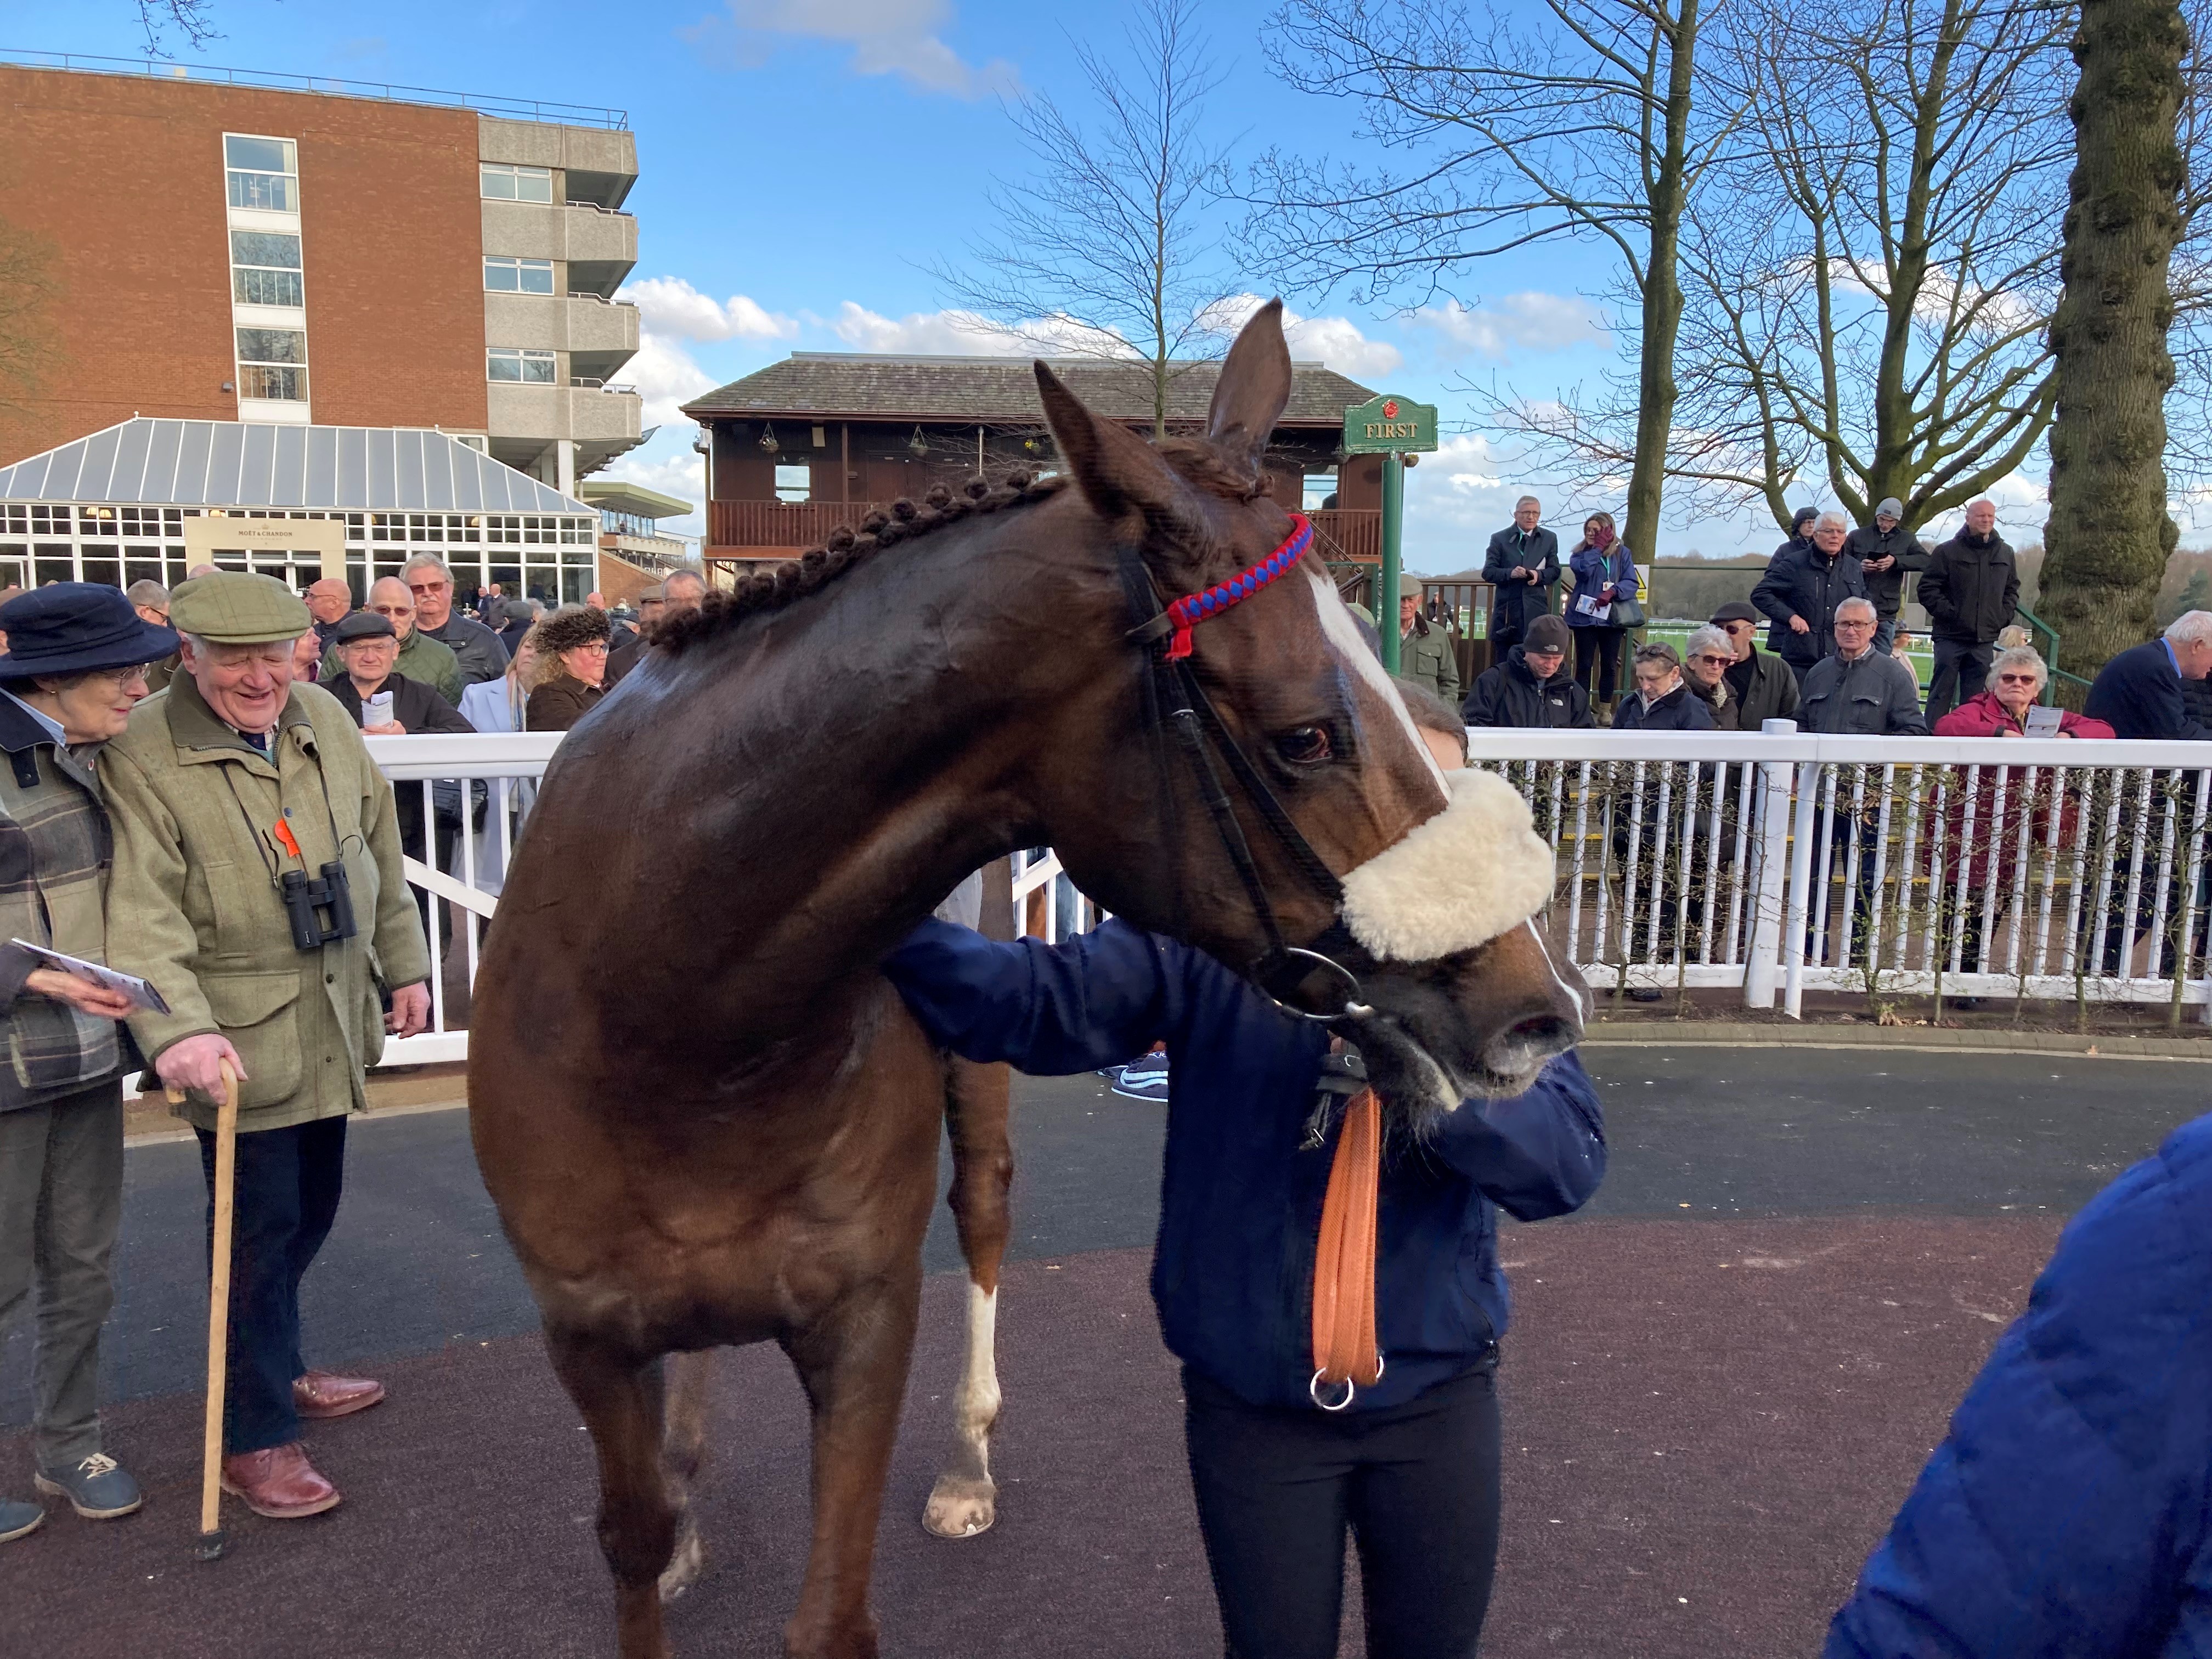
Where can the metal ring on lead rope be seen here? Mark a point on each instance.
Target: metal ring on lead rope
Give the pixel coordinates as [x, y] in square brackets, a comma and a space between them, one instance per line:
[1350, 1009]
[1350, 1389]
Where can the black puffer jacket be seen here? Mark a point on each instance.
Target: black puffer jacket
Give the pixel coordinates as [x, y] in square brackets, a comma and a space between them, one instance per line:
[1971, 588]
[1802, 581]
[1678, 711]
[1510, 694]
[1886, 587]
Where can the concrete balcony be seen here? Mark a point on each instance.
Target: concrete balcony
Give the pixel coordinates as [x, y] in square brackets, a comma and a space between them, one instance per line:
[598, 335]
[599, 246]
[600, 163]
[601, 422]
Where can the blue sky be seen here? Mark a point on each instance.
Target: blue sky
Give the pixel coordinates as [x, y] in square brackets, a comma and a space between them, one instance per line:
[801, 161]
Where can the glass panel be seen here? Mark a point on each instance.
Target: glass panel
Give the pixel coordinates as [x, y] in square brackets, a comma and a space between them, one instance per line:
[272, 192]
[259, 155]
[795, 483]
[104, 570]
[575, 584]
[272, 346]
[498, 182]
[284, 385]
[267, 288]
[536, 275]
[538, 367]
[11, 572]
[533, 184]
[264, 247]
[142, 570]
[503, 365]
[55, 565]
[501, 275]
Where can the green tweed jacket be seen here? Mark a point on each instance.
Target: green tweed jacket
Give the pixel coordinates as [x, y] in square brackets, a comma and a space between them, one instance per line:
[55, 850]
[194, 905]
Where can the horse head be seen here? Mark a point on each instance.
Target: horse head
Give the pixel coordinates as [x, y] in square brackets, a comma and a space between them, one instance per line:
[1278, 807]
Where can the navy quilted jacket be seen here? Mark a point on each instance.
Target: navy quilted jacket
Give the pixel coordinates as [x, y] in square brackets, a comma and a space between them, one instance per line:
[2069, 1512]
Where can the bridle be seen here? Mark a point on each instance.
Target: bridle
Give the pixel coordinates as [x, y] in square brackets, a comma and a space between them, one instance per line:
[1175, 699]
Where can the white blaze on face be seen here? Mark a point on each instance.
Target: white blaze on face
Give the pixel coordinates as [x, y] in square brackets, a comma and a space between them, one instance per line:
[1345, 641]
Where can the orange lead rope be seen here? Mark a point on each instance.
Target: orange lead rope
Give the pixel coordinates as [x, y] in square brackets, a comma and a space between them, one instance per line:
[1345, 1353]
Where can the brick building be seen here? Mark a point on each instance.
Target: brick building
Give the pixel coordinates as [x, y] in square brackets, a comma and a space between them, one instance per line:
[204, 245]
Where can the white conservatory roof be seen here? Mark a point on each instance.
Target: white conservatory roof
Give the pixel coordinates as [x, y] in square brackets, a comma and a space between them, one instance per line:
[239, 464]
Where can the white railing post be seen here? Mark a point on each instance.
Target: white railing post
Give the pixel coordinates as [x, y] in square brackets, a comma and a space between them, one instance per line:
[1801, 881]
[1760, 960]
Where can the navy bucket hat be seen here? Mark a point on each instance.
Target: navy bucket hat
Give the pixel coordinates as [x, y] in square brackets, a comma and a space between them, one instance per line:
[73, 627]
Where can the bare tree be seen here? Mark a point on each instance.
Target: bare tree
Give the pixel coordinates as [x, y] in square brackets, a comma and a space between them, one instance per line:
[2109, 536]
[1585, 127]
[1109, 243]
[193, 19]
[1868, 294]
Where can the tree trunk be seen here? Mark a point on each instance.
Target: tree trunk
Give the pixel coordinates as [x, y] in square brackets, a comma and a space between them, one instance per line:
[2108, 535]
[1655, 388]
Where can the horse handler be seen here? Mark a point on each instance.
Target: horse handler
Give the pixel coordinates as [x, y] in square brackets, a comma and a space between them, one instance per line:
[1410, 1465]
[257, 886]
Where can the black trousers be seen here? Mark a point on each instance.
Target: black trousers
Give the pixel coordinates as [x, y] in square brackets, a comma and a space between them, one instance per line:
[1416, 1483]
[1597, 659]
[287, 1196]
[1962, 668]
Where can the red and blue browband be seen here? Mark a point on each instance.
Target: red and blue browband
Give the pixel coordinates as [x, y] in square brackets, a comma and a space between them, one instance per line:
[1186, 612]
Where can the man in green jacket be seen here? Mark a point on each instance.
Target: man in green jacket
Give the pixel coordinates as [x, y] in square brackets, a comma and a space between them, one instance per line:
[74, 666]
[1424, 651]
[257, 886]
[421, 657]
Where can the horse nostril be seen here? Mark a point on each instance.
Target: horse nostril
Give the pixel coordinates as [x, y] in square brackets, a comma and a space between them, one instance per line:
[1527, 1044]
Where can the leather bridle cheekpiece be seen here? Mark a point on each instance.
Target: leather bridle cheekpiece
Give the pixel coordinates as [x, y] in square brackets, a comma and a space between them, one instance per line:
[1173, 688]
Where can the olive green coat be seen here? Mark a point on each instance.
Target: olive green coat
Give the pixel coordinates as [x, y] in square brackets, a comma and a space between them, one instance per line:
[193, 904]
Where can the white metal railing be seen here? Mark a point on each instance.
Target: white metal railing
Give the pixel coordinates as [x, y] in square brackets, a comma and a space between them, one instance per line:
[2039, 868]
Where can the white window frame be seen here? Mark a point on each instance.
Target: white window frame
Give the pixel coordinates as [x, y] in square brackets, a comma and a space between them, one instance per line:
[523, 357]
[518, 266]
[296, 272]
[290, 175]
[795, 489]
[514, 173]
[298, 370]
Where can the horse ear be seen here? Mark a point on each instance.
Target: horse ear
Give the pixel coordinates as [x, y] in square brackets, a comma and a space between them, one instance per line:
[1255, 385]
[1118, 473]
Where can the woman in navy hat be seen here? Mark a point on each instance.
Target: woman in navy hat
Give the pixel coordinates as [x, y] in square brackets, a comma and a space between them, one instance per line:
[75, 665]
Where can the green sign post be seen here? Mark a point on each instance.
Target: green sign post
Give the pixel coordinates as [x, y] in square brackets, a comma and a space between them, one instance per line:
[1393, 428]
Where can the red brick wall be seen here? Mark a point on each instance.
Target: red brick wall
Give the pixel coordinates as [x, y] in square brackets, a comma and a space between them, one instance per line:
[123, 176]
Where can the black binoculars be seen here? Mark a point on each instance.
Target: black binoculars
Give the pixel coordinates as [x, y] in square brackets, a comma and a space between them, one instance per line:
[320, 908]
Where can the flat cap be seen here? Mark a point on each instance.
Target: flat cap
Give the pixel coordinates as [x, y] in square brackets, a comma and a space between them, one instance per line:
[1735, 611]
[363, 625]
[234, 607]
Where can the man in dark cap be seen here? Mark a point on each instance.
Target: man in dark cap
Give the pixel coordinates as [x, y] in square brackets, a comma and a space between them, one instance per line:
[257, 886]
[1531, 686]
[75, 668]
[1760, 685]
[1886, 552]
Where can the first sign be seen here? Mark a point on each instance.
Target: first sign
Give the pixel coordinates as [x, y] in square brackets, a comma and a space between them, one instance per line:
[1386, 424]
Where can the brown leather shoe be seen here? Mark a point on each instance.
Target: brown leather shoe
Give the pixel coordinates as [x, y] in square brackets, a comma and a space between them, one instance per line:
[319, 1395]
[278, 1482]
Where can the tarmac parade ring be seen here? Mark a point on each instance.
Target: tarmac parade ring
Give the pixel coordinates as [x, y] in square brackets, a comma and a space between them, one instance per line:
[1721, 1381]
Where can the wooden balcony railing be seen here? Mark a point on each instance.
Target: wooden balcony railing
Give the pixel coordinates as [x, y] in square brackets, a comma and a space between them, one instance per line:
[1349, 533]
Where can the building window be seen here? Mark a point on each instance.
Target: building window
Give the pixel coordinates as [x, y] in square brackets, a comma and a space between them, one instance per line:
[531, 367]
[518, 275]
[503, 183]
[264, 269]
[1320, 487]
[795, 483]
[272, 364]
[265, 172]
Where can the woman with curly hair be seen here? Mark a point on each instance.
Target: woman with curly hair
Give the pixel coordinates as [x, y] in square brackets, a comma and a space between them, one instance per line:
[572, 667]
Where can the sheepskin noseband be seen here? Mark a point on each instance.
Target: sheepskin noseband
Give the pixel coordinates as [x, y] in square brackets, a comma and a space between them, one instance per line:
[1458, 880]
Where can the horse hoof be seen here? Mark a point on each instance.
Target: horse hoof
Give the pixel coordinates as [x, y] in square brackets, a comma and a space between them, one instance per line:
[960, 1508]
[683, 1569]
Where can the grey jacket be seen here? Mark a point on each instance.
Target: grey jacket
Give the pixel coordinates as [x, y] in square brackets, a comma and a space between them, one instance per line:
[1870, 696]
[477, 649]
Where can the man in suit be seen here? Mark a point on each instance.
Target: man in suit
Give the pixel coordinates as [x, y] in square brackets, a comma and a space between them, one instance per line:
[1523, 564]
[2138, 693]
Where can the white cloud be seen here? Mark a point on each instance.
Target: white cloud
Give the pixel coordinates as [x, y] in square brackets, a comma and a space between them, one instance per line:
[1335, 341]
[1529, 321]
[680, 473]
[666, 377]
[671, 305]
[956, 333]
[888, 37]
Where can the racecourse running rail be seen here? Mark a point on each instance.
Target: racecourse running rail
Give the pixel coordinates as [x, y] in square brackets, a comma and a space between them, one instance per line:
[2044, 869]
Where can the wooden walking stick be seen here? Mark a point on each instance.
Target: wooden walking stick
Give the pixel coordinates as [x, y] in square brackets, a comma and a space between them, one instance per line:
[213, 1540]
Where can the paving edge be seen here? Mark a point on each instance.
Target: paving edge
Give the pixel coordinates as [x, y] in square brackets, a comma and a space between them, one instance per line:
[1726, 1033]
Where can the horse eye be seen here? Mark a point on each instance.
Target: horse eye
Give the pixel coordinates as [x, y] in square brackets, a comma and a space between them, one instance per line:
[1307, 746]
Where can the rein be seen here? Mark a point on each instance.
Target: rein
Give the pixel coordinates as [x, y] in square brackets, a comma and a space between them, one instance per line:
[1201, 735]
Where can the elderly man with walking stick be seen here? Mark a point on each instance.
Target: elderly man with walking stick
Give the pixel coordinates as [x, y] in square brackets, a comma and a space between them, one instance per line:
[258, 887]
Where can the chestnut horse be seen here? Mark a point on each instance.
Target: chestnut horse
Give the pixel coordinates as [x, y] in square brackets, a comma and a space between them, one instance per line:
[705, 1116]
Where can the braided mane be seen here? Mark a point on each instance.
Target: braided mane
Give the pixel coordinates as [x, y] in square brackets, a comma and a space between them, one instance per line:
[778, 585]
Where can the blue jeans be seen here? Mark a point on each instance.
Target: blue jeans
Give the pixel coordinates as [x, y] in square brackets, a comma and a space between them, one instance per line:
[287, 1196]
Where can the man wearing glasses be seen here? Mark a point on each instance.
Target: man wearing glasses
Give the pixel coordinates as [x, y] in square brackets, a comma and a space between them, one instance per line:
[1859, 691]
[1761, 686]
[476, 648]
[421, 658]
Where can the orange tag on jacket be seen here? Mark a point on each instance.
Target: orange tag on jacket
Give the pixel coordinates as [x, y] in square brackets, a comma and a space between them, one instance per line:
[284, 839]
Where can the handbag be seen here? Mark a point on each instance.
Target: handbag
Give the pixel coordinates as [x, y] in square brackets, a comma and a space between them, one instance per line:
[1627, 613]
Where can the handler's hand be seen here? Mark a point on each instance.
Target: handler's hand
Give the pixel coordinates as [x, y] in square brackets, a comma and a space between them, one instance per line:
[1799, 625]
[197, 1063]
[80, 994]
[411, 1010]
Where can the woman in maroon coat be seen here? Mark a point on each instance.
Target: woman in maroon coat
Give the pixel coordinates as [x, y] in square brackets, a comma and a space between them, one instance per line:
[2016, 680]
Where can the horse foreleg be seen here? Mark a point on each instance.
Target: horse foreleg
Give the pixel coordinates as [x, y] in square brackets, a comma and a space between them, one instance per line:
[683, 1454]
[965, 1501]
[620, 1398]
[853, 1364]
